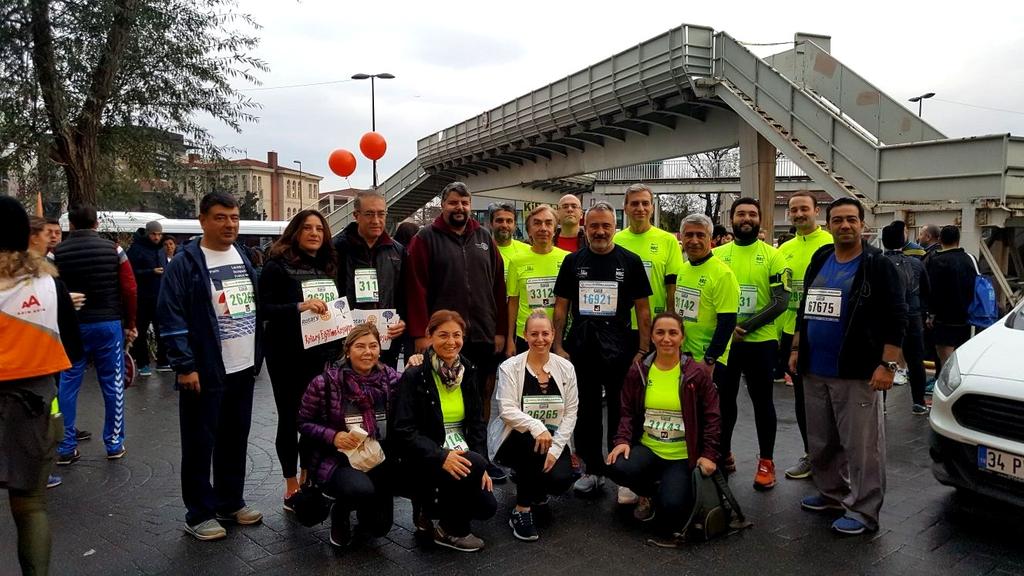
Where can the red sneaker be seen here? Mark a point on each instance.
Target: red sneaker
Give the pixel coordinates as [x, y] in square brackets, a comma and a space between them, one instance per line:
[765, 477]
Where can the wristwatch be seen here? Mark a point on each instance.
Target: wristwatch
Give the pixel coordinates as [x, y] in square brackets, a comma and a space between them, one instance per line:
[890, 366]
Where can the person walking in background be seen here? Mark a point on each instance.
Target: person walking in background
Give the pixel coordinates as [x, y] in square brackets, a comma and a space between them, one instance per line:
[99, 269]
[38, 338]
[145, 255]
[951, 274]
[298, 277]
[207, 313]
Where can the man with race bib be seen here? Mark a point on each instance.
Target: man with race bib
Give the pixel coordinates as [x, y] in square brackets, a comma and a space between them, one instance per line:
[531, 277]
[600, 286]
[707, 297]
[659, 251]
[796, 255]
[764, 295]
[848, 334]
[370, 270]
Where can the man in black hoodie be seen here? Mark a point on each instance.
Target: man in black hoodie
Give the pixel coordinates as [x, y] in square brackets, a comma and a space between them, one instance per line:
[951, 272]
[849, 329]
[370, 267]
[144, 255]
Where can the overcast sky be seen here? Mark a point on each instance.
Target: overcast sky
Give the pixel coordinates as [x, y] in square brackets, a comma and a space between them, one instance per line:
[454, 60]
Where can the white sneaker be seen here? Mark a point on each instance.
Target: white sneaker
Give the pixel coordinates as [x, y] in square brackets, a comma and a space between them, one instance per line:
[588, 483]
[627, 496]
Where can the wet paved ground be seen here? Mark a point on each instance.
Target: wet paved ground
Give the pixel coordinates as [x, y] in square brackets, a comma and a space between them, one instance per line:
[125, 517]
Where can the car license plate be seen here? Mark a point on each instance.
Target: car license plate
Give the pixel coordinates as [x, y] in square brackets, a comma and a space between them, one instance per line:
[1001, 462]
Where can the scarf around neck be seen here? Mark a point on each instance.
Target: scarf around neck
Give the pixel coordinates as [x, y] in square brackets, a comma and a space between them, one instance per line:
[451, 376]
[366, 392]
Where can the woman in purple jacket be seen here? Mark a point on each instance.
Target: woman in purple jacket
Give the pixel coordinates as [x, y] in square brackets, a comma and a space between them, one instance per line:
[358, 391]
[670, 424]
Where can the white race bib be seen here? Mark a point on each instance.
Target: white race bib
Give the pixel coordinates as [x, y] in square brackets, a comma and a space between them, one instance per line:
[239, 296]
[598, 298]
[748, 299]
[357, 420]
[649, 268]
[324, 290]
[687, 302]
[366, 285]
[453, 438]
[540, 292]
[796, 292]
[547, 409]
[664, 425]
[824, 304]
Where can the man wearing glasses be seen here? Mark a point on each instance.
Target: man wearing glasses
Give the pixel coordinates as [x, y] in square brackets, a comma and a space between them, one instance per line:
[370, 266]
[569, 236]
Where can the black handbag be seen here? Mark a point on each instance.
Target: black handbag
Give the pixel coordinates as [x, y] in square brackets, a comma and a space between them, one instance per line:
[310, 504]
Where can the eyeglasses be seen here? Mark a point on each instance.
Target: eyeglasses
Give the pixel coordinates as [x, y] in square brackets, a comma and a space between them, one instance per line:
[381, 215]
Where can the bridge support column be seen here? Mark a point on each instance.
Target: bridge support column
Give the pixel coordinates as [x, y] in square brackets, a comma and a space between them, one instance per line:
[757, 175]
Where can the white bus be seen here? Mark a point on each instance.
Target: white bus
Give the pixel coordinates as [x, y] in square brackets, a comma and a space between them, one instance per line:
[111, 222]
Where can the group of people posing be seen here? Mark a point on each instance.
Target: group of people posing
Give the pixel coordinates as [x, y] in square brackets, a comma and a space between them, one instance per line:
[515, 352]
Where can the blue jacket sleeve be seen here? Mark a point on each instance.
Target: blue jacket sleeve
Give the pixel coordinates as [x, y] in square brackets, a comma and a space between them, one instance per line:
[173, 310]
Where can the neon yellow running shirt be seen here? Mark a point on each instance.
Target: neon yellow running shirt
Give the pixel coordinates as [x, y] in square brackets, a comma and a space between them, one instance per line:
[661, 255]
[796, 255]
[531, 278]
[664, 432]
[758, 268]
[702, 293]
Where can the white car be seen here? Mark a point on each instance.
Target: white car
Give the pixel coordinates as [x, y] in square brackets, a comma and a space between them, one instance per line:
[977, 415]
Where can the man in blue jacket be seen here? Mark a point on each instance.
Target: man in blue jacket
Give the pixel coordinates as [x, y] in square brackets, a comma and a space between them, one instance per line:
[207, 310]
[849, 329]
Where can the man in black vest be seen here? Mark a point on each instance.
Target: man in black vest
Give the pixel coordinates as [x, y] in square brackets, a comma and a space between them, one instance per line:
[370, 268]
[98, 268]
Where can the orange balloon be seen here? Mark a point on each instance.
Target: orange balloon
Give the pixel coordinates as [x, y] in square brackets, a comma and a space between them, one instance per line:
[373, 145]
[342, 162]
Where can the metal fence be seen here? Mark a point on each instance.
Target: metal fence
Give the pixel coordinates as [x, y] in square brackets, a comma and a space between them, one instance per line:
[701, 168]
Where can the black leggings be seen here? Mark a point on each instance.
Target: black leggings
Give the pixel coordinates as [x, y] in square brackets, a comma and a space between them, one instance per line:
[669, 482]
[368, 493]
[786, 343]
[913, 353]
[458, 501]
[594, 372]
[289, 383]
[756, 362]
[532, 483]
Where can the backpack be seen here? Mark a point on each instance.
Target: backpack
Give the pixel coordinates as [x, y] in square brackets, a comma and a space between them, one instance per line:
[983, 310]
[715, 510]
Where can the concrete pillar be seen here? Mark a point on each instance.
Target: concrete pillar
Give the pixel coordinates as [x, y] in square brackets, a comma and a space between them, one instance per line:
[757, 174]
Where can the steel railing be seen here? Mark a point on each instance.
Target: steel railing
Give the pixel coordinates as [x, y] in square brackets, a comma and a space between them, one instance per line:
[698, 169]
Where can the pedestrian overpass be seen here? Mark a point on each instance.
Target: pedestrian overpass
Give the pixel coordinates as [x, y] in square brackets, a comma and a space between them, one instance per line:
[692, 90]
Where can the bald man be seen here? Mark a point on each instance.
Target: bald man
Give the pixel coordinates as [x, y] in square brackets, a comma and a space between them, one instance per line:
[569, 236]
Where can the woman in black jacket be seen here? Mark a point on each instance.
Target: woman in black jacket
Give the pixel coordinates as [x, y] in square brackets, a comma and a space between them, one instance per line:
[298, 277]
[441, 436]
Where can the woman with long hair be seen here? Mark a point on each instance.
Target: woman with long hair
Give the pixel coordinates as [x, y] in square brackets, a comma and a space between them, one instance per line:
[441, 436]
[39, 338]
[346, 404]
[670, 424]
[297, 277]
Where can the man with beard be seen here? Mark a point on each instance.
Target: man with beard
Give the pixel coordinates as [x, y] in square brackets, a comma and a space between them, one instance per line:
[848, 333]
[764, 295]
[144, 254]
[796, 255]
[600, 286]
[569, 236]
[454, 264]
[503, 224]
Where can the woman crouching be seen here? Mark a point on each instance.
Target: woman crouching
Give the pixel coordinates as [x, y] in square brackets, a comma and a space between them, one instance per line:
[344, 414]
[669, 425]
[537, 402]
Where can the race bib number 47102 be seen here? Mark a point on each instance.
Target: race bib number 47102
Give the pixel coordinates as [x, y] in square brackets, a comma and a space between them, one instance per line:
[598, 298]
[824, 304]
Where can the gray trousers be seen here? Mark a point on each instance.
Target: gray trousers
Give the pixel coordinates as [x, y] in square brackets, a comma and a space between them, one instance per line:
[846, 444]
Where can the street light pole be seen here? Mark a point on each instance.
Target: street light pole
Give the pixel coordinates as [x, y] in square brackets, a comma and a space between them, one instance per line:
[920, 101]
[373, 107]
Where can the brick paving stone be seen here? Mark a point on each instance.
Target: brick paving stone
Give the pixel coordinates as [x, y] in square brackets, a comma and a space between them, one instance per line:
[126, 516]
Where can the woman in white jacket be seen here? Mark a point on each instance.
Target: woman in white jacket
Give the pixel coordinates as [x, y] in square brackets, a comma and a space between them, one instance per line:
[537, 406]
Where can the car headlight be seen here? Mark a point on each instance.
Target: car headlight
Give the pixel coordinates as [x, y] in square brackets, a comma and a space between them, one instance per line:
[949, 378]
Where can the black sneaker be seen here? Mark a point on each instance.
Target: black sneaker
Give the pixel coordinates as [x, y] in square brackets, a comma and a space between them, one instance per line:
[66, 459]
[497, 473]
[522, 526]
[82, 434]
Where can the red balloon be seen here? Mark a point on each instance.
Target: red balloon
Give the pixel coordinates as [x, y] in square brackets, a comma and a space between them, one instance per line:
[373, 145]
[342, 162]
